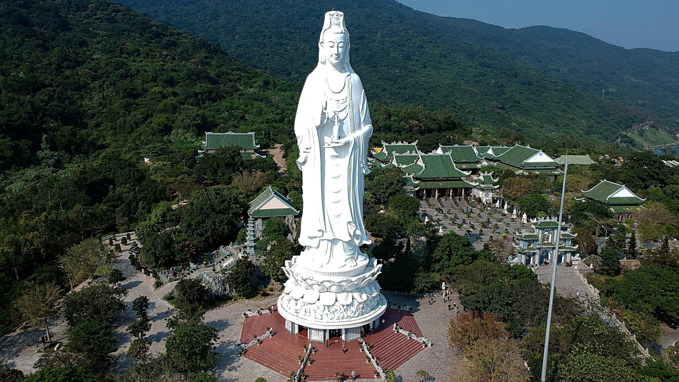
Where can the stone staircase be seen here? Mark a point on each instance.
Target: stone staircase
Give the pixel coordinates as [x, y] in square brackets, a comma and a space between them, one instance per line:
[166, 289]
[394, 350]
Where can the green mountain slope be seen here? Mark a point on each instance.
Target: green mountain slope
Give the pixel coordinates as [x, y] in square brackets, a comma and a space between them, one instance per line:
[81, 76]
[399, 63]
[403, 59]
[645, 80]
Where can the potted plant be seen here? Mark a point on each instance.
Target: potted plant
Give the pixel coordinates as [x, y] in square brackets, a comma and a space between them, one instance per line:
[367, 359]
[304, 346]
[313, 349]
[299, 358]
[377, 374]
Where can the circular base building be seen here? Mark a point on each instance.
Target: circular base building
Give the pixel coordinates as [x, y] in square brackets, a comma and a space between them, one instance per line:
[329, 304]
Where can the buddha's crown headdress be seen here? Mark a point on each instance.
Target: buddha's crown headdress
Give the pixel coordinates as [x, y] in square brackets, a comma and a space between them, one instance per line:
[334, 20]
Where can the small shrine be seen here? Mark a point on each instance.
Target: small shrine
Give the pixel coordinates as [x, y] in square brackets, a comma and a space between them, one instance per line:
[485, 187]
[538, 245]
[270, 203]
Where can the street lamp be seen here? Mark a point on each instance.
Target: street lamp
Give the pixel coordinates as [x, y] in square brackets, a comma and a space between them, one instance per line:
[543, 377]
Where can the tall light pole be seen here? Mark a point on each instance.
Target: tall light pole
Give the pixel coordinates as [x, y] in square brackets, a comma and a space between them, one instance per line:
[543, 377]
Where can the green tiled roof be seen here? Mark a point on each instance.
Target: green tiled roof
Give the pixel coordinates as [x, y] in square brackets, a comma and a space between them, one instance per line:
[396, 148]
[266, 195]
[485, 179]
[409, 182]
[517, 155]
[625, 201]
[575, 159]
[464, 154]
[438, 166]
[405, 159]
[412, 169]
[603, 192]
[429, 184]
[467, 166]
[528, 236]
[624, 209]
[214, 141]
[381, 156]
[485, 151]
[567, 235]
[546, 224]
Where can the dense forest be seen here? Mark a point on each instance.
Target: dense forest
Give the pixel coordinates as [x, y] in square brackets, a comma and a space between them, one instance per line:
[403, 60]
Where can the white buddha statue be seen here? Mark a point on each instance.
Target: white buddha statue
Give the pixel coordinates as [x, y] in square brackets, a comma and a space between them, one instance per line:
[333, 127]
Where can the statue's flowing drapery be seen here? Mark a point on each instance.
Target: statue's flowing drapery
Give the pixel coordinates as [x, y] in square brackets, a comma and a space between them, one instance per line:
[333, 174]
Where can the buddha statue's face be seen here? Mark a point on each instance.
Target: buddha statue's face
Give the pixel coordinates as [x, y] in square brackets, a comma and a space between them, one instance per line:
[334, 47]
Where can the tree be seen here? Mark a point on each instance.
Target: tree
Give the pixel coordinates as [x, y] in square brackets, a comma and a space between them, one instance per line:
[190, 294]
[382, 225]
[585, 241]
[94, 342]
[84, 260]
[39, 304]
[275, 227]
[159, 250]
[115, 276]
[632, 246]
[384, 183]
[283, 250]
[452, 251]
[593, 367]
[138, 328]
[490, 355]
[213, 214]
[533, 205]
[140, 305]
[404, 206]
[190, 345]
[423, 375]
[649, 290]
[98, 302]
[652, 220]
[219, 166]
[241, 276]
[583, 214]
[139, 348]
[501, 248]
[610, 260]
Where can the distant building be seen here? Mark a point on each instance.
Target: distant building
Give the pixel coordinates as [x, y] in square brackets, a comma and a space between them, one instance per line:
[621, 201]
[215, 141]
[583, 160]
[539, 244]
[523, 160]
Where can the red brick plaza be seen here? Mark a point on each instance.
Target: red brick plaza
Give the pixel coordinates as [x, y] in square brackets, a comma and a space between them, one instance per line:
[280, 352]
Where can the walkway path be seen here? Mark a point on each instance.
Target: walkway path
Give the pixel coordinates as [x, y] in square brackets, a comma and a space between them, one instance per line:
[569, 282]
[277, 154]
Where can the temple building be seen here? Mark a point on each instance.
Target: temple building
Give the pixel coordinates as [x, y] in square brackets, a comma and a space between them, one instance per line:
[523, 160]
[485, 187]
[619, 199]
[464, 157]
[215, 141]
[270, 203]
[432, 175]
[539, 244]
[386, 153]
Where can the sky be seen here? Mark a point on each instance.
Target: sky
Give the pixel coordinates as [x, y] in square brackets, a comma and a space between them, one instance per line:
[628, 23]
